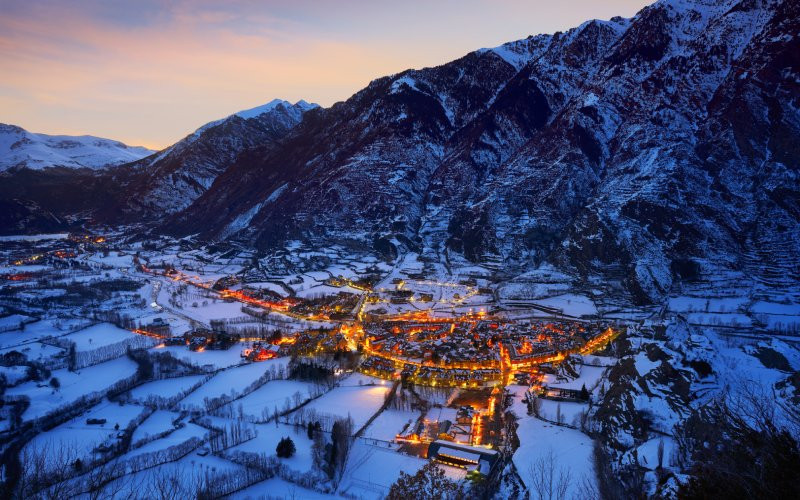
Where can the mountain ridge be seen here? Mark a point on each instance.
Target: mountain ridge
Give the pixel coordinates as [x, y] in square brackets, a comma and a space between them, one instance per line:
[650, 151]
[585, 149]
[20, 148]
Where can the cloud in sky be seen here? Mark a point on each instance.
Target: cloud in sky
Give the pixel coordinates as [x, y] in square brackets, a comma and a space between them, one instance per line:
[149, 72]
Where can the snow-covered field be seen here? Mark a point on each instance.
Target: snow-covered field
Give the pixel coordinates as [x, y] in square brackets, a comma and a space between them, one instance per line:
[34, 331]
[389, 424]
[211, 358]
[76, 438]
[278, 488]
[158, 422]
[229, 382]
[570, 412]
[37, 351]
[186, 473]
[176, 437]
[267, 440]
[360, 402]
[589, 376]
[574, 305]
[571, 448]
[166, 388]
[73, 386]
[371, 470]
[99, 335]
[276, 394]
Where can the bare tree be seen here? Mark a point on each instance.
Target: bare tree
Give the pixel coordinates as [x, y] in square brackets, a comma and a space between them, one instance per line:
[167, 485]
[548, 480]
[45, 470]
[536, 405]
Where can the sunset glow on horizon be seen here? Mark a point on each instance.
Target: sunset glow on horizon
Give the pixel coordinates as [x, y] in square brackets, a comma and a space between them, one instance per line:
[148, 73]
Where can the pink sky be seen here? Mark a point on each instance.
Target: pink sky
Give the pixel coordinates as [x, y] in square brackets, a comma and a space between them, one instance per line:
[149, 72]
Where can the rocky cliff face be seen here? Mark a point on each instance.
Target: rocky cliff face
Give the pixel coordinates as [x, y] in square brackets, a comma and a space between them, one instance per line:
[655, 149]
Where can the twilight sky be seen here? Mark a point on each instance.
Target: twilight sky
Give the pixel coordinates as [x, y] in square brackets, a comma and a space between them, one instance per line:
[148, 72]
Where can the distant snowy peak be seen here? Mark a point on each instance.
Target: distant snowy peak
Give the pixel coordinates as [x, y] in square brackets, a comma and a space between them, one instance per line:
[300, 105]
[20, 148]
[295, 111]
[181, 173]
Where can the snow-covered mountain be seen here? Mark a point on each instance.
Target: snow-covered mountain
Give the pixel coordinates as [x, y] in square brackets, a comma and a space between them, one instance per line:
[650, 151]
[20, 148]
[177, 176]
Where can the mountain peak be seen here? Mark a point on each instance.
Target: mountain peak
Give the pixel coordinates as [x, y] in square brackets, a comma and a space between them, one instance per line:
[258, 110]
[20, 148]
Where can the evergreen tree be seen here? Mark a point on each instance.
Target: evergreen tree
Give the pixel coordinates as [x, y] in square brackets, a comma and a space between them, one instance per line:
[584, 393]
[285, 448]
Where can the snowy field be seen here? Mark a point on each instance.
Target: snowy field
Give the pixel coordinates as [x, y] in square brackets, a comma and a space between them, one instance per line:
[77, 439]
[572, 448]
[74, 385]
[14, 321]
[570, 411]
[189, 471]
[176, 437]
[218, 310]
[589, 376]
[97, 336]
[211, 358]
[276, 394]
[278, 488]
[371, 470]
[159, 421]
[114, 259]
[389, 424]
[37, 330]
[229, 382]
[166, 388]
[573, 305]
[37, 351]
[267, 440]
[360, 402]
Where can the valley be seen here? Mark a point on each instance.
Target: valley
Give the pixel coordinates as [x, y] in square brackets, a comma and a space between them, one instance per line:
[166, 355]
[563, 267]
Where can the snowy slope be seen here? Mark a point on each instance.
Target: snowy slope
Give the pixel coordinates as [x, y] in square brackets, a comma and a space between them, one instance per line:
[177, 176]
[651, 151]
[20, 148]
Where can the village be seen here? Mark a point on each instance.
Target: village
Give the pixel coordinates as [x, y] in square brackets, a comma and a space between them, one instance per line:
[418, 369]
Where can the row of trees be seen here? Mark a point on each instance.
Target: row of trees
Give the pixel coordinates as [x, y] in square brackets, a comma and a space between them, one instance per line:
[330, 456]
[229, 435]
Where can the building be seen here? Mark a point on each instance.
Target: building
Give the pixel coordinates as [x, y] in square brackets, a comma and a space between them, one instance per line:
[201, 338]
[261, 352]
[158, 327]
[472, 458]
